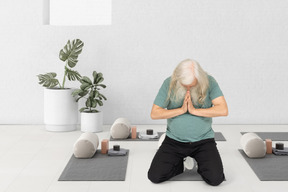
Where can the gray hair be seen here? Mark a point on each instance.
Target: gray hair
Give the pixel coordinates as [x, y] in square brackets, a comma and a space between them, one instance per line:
[185, 73]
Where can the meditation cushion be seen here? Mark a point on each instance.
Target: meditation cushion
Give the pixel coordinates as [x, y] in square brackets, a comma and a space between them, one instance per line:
[253, 145]
[86, 145]
[120, 129]
[188, 163]
[161, 139]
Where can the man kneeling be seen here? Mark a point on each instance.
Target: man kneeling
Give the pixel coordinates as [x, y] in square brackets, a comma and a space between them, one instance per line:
[188, 100]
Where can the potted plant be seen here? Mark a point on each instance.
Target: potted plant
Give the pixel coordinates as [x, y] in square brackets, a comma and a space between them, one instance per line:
[60, 107]
[91, 118]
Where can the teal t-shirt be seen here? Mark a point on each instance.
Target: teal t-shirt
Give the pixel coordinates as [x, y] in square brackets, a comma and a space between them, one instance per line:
[187, 127]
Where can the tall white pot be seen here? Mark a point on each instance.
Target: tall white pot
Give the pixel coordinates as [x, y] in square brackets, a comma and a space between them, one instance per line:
[60, 110]
[91, 122]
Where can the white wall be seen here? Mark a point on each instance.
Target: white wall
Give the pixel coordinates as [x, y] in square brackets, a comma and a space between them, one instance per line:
[242, 43]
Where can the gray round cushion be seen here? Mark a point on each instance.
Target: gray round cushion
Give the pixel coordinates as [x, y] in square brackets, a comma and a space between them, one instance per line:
[86, 145]
[120, 129]
[253, 145]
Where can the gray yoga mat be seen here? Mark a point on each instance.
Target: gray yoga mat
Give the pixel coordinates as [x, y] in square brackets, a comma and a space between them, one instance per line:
[218, 137]
[270, 168]
[274, 136]
[100, 167]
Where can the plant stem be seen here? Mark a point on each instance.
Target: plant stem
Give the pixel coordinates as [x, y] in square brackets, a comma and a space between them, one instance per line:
[64, 78]
[63, 81]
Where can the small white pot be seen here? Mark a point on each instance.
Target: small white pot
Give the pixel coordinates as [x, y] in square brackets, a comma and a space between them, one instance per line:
[60, 110]
[91, 122]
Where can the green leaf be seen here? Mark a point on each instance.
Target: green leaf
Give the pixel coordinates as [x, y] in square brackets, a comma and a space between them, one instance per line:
[88, 103]
[48, 80]
[82, 94]
[94, 103]
[91, 94]
[72, 75]
[71, 51]
[82, 109]
[85, 86]
[94, 111]
[94, 76]
[95, 94]
[86, 80]
[79, 98]
[102, 96]
[102, 85]
[99, 102]
[76, 92]
[99, 78]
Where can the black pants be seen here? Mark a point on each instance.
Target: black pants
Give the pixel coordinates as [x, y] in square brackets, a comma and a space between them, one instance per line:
[168, 161]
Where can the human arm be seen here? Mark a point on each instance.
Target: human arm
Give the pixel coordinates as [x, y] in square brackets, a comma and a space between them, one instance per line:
[219, 108]
[158, 112]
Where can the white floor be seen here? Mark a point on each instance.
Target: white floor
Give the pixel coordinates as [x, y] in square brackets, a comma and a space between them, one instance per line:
[32, 159]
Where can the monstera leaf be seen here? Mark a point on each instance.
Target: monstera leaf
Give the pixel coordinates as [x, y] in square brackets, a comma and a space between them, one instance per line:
[72, 75]
[48, 80]
[71, 51]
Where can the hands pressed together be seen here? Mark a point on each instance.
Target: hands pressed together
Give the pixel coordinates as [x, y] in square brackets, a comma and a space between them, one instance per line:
[187, 104]
[218, 108]
[158, 112]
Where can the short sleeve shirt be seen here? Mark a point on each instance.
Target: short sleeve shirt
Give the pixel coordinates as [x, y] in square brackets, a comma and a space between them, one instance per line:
[187, 127]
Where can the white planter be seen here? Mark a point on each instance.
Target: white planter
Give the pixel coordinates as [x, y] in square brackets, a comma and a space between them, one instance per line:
[60, 110]
[91, 122]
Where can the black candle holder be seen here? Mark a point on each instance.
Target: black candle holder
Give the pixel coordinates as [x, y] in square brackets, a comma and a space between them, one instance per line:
[149, 131]
[116, 147]
[280, 146]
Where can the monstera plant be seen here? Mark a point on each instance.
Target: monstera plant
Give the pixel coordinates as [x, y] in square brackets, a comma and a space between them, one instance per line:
[69, 54]
[60, 107]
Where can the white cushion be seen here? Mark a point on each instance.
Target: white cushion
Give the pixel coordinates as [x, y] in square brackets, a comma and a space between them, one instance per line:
[120, 129]
[253, 145]
[188, 163]
[161, 139]
[86, 145]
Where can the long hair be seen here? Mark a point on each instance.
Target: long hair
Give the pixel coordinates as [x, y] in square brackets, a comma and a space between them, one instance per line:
[184, 74]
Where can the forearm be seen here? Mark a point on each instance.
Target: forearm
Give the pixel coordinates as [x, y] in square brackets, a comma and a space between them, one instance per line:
[166, 113]
[214, 111]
